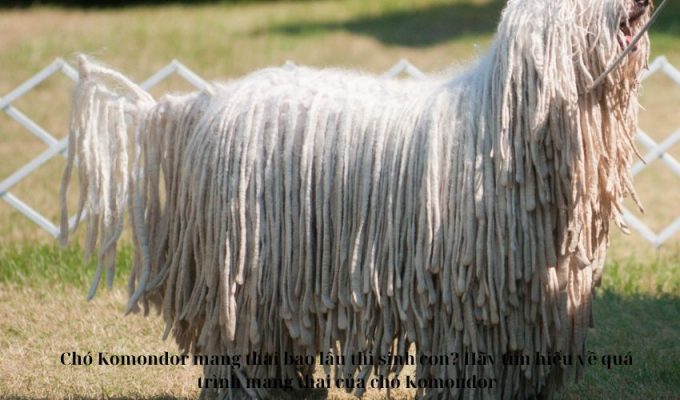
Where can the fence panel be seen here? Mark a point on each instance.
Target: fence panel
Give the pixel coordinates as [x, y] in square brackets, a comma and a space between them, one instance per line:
[57, 148]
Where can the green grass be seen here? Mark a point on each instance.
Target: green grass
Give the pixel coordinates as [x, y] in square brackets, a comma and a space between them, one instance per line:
[46, 265]
[643, 326]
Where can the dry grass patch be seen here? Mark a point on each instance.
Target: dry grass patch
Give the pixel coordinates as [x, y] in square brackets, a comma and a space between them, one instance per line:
[41, 324]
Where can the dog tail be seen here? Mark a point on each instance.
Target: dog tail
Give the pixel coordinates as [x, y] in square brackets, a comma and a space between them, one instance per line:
[106, 106]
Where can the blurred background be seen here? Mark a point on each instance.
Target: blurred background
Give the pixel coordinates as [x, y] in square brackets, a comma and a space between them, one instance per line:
[42, 286]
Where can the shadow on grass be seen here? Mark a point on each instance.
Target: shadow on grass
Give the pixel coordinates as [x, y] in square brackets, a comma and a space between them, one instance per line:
[644, 327]
[410, 27]
[98, 4]
[669, 20]
[435, 24]
[420, 27]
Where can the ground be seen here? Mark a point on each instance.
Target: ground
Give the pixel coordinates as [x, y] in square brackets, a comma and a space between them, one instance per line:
[42, 287]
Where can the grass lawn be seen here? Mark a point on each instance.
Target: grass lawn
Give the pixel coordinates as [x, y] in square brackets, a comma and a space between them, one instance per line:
[42, 288]
[42, 301]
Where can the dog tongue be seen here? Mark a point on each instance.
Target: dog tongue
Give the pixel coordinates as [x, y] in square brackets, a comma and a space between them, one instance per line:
[629, 39]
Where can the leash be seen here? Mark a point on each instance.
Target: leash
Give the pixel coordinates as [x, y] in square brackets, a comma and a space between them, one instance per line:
[630, 47]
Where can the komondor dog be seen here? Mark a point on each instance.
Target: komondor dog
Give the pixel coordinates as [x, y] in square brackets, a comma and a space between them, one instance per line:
[298, 211]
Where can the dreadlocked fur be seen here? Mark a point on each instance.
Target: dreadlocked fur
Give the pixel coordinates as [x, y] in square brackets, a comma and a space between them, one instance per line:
[299, 211]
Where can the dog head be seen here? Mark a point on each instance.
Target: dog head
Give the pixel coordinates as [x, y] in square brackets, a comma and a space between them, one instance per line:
[542, 77]
[636, 16]
[575, 41]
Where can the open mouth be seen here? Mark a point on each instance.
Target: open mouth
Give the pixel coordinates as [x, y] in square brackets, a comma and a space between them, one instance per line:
[626, 33]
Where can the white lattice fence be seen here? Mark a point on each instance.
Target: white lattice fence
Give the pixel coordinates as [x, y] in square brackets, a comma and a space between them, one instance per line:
[56, 147]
